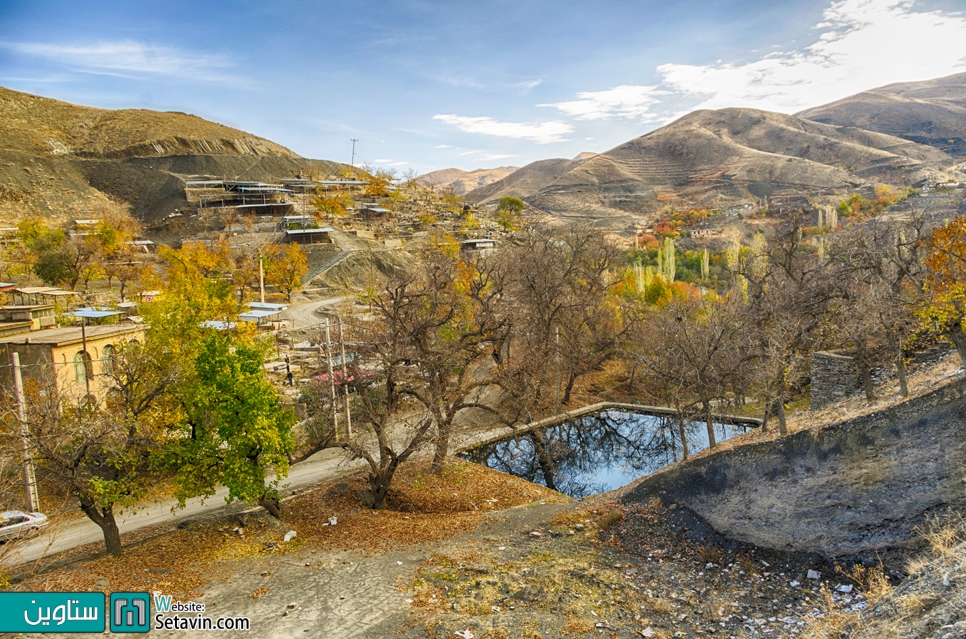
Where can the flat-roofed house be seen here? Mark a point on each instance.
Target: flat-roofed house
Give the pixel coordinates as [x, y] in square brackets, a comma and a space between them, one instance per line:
[60, 352]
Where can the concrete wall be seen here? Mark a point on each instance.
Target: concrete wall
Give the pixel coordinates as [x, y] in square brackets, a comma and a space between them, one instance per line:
[847, 489]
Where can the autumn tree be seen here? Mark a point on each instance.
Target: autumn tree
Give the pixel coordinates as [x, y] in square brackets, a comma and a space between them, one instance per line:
[698, 351]
[509, 211]
[430, 344]
[335, 205]
[944, 302]
[286, 268]
[789, 289]
[561, 302]
[104, 452]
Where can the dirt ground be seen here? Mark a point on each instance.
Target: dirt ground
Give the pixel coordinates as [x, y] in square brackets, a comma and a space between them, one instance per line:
[475, 554]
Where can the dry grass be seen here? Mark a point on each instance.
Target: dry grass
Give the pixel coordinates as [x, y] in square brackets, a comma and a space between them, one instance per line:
[426, 507]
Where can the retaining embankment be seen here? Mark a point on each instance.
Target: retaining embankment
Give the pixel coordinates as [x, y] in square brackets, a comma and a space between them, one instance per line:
[845, 489]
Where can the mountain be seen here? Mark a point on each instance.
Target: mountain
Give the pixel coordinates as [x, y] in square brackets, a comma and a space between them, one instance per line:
[58, 159]
[719, 158]
[931, 112]
[524, 182]
[464, 181]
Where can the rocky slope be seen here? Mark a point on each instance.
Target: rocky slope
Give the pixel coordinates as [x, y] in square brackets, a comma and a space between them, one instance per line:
[931, 112]
[58, 159]
[853, 488]
[465, 181]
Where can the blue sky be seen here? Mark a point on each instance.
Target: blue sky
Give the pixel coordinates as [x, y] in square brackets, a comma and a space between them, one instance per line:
[425, 85]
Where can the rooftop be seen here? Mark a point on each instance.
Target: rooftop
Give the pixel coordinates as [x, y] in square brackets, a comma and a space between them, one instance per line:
[70, 334]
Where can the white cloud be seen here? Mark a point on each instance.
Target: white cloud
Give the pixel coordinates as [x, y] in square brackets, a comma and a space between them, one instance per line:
[625, 101]
[129, 59]
[864, 44]
[381, 161]
[442, 146]
[539, 132]
[489, 157]
[861, 44]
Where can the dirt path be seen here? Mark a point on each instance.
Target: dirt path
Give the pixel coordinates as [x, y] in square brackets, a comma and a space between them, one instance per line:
[342, 594]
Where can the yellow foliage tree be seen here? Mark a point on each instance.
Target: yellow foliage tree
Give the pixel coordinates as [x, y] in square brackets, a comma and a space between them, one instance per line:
[286, 268]
[944, 301]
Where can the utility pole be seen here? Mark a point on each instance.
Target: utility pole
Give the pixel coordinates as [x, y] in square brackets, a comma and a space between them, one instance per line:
[345, 385]
[328, 357]
[86, 358]
[30, 478]
[354, 140]
[261, 279]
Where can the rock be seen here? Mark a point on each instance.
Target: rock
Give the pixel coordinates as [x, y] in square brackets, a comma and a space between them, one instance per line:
[536, 534]
[465, 634]
[264, 574]
[332, 521]
[647, 632]
[292, 606]
[578, 527]
[842, 588]
[289, 536]
[813, 575]
[795, 583]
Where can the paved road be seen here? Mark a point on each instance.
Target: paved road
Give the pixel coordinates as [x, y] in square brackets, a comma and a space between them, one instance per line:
[322, 466]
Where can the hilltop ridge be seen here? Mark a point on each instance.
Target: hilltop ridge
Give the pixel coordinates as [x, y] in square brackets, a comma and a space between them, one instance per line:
[58, 159]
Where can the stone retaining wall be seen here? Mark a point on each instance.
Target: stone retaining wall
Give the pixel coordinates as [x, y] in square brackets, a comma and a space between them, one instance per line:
[833, 379]
[850, 488]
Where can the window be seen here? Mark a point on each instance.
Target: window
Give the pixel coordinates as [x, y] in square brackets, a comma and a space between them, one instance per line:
[82, 367]
[107, 358]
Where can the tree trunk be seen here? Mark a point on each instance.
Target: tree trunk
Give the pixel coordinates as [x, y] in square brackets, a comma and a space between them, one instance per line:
[862, 367]
[112, 536]
[684, 435]
[896, 346]
[570, 387]
[543, 457]
[958, 339]
[767, 414]
[780, 411]
[104, 518]
[709, 422]
[273, 505]
[379, 483]
[442, 450]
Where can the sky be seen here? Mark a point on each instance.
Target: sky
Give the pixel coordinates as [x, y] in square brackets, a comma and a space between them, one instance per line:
[425, 84]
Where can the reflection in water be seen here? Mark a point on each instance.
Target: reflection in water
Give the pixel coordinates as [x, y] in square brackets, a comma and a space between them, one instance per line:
[597, 453]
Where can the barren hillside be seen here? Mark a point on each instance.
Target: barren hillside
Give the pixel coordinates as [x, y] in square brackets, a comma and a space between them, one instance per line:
[465, 181]
[718, 158]
[58, 159]
[524, 182]
[931, 112]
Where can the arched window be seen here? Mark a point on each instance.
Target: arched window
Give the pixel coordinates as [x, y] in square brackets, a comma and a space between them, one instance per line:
[82, 367]
[107, 358]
